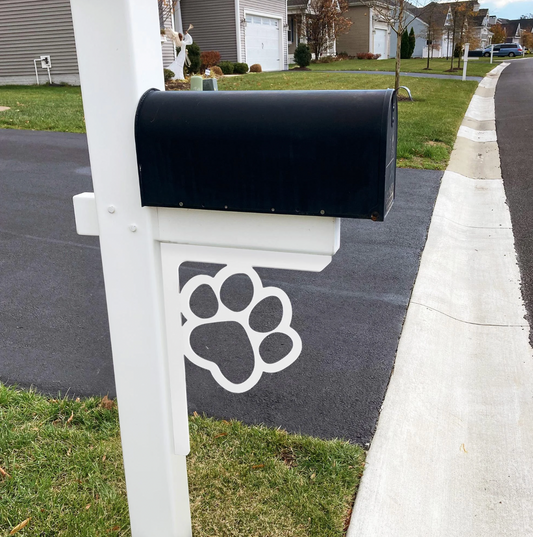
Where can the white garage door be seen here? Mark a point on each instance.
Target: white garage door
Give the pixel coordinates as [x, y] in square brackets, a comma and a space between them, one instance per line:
[263, 42]
[380, 42]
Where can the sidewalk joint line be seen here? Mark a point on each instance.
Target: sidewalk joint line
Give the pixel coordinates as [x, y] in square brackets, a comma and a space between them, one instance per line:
[471, 322]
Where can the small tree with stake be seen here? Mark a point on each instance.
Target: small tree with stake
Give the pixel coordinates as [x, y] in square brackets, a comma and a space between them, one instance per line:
[395, 14]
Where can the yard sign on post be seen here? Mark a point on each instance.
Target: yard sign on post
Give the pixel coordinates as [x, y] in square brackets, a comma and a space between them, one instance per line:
[155, 206]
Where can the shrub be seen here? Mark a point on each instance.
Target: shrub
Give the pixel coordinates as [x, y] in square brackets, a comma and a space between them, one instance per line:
[412, 42]
[256, 68]
[302, 55]
[376, 56]
[217, 71]
[168, 74]
[240, 68]
[227, 67]
[343, 56]
[405, 46]
[194, 57]
[326, 59]
[361, 55]
[209, 58]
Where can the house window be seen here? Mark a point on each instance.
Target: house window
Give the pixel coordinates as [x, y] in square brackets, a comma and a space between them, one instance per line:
[291, 30]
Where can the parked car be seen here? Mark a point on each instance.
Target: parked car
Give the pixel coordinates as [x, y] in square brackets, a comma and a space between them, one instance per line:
[505, 49]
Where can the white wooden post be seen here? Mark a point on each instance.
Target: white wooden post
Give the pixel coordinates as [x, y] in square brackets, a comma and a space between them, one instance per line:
[119, 56]
[491, 52]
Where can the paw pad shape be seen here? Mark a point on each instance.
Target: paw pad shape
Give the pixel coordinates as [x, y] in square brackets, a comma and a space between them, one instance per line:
[224, 314]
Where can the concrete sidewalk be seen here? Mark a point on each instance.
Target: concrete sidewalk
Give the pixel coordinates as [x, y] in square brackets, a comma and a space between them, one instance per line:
[452, 454]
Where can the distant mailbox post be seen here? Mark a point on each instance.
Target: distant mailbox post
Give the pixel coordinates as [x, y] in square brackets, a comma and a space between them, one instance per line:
[301, 160]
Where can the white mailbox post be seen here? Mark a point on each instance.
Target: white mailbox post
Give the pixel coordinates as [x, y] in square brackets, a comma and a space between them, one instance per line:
[143, 243]
[465, 60]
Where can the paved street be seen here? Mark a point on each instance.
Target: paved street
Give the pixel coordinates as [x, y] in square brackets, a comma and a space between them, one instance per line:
[53, 323]
[514, 127]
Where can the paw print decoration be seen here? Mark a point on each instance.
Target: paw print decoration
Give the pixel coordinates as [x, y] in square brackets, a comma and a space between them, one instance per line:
[225, 314]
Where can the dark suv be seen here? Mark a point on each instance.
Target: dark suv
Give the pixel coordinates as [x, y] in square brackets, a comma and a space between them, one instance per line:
[505, 49]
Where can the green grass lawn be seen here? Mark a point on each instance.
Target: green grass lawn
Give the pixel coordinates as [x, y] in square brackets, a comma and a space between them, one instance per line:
[61, 468]
[438, 66]
[427, 127]
[42, 108]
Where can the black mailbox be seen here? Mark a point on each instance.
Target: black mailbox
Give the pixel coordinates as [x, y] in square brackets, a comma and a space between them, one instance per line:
[321, 153]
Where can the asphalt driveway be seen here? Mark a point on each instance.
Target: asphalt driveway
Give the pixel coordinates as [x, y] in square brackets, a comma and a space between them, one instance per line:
[53, 322]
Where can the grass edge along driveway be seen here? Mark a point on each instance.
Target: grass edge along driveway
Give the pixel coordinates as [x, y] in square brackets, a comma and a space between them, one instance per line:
[61, 473]
[437, 66]
[427, 127]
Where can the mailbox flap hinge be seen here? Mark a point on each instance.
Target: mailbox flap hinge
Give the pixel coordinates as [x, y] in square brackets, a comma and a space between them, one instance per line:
[86, 215]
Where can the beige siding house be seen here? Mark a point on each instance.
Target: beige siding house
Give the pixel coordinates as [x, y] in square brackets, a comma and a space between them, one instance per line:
[368, 32]
[250, 31]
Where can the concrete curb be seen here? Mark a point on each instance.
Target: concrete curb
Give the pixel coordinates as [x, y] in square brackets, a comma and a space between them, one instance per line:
[452, 452]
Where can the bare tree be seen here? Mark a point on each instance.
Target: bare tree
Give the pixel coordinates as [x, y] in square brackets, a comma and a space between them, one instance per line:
[322, 22]
[398, 17]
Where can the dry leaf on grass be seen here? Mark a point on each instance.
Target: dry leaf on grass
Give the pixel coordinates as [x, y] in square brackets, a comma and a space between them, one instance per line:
[88, 506]
[17, 528]
[71, 417]
[221, 434]
[106, 403]
[257, 466]
[3, 473]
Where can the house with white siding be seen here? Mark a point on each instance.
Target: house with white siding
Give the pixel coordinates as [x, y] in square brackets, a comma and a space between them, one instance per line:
[249, 31]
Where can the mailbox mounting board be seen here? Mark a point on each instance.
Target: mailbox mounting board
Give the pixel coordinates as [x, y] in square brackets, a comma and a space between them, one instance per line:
[320, 153]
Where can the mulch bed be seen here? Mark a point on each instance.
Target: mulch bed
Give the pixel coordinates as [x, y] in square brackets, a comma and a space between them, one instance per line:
[176, 85]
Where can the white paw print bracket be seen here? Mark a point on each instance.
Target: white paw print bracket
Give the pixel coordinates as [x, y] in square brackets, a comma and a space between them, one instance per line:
[241, 179]
[224, 314]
